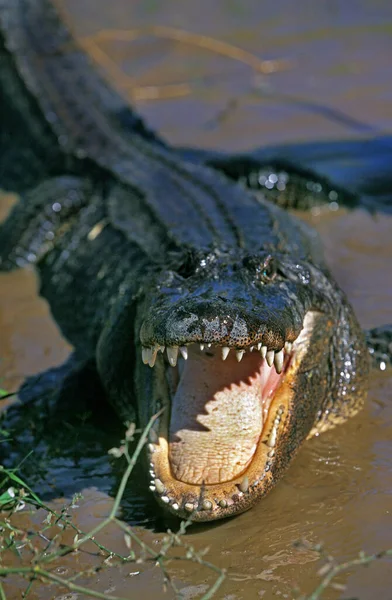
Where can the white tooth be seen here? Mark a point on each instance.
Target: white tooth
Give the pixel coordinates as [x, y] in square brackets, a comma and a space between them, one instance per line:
[251, 349]
[244, 485]
[153, 437]
[259, 346]
[270, 357]
[153, 356]
[146, 355]
[239, 354]
[225, 352]
[209, 345]
[172, 353]
[263, 351]
[202, 347]
[184, 352]
[159, 348]
[272, 438]
[159, 485]
[278, 360]
[288, 347]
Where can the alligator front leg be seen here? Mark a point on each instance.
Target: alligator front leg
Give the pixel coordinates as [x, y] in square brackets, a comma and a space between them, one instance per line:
[304, 176]
[64, 420]
[284, 183]
[40, 217]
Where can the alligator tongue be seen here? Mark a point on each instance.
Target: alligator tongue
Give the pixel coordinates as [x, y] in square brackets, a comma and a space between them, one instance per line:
[217, 415]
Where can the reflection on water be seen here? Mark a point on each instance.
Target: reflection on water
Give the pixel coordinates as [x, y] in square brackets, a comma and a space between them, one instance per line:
[339, 489]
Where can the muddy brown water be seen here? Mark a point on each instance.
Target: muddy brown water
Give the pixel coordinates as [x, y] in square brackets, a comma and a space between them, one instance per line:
[337, 85]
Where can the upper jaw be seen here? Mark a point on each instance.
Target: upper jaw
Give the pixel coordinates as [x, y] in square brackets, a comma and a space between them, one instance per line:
[225, 324]
[221, 324]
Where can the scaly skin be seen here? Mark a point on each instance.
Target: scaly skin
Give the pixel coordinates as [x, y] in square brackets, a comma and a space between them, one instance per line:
[137, 248]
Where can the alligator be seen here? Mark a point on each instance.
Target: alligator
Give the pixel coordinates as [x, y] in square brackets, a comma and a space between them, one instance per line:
[196, 294]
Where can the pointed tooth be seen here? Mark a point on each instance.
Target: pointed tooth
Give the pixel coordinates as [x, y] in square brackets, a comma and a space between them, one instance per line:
[159, 486]
[153, 436]
[259, 345]
[159, 348]
[209, 345]
[184, 352]
[288, 347]
[225, 352]
[244, 485]
[278, 360]
[272, 438]
[172, 353]
[201, 347]
[270, 357]
[146, 355]
[251, 348]
[239, 354]
[153, 356]
[263, 351]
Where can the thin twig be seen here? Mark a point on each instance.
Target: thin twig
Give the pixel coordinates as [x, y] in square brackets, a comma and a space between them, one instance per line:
[91, 44]
[337, 569]
[47, 555]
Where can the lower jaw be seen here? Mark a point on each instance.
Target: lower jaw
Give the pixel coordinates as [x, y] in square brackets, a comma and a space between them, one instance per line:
[272, 455]
[217, 501]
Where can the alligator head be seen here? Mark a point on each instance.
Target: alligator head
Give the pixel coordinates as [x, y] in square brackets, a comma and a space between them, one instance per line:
[246, 356]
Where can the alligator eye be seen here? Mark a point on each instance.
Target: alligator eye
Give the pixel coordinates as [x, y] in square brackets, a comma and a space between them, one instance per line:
[265, 271]
[269, 269]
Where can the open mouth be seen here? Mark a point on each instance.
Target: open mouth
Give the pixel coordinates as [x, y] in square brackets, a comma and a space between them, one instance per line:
[212, 450]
